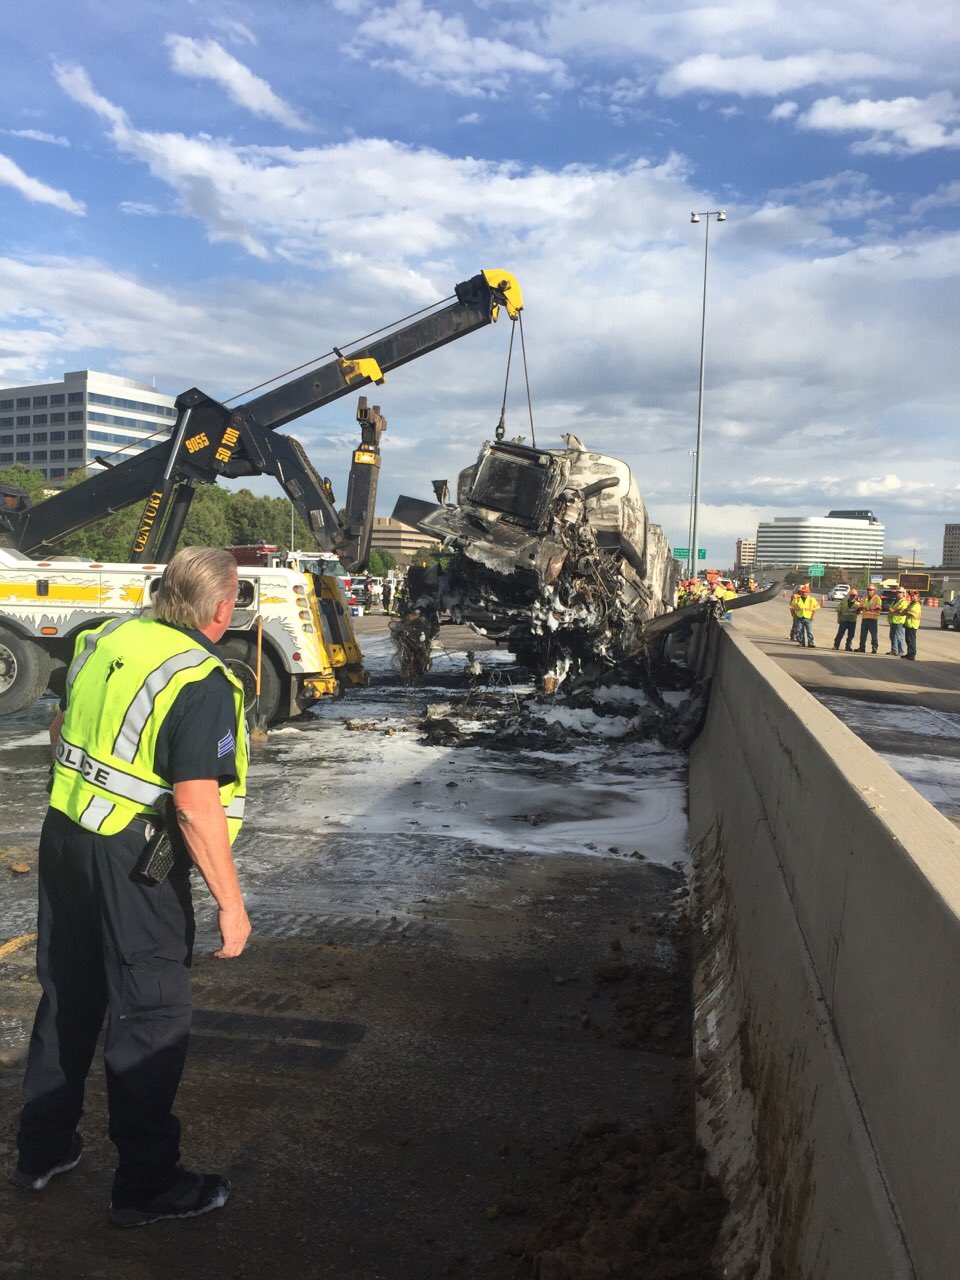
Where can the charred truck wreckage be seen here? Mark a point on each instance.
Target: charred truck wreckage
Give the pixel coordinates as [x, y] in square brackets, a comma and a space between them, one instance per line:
[550, 553]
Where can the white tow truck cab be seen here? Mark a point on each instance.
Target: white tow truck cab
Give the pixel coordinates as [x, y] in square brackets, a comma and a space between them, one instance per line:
[296, 620]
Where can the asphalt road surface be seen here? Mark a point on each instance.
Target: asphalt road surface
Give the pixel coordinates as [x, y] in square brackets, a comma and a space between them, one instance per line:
[932, 681]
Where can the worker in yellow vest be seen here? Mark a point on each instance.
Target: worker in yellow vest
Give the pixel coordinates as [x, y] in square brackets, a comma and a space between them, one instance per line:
[871, 607]
[848, 610]
[911, 624]
[150, 712]
[807, 606]
[897, 617]
[794, 607]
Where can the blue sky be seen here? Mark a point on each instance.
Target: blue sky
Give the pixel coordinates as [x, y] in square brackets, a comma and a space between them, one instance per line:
[212, 193]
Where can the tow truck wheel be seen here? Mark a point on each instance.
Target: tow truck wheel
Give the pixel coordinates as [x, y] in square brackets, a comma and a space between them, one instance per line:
[24, 671]
[240, 658]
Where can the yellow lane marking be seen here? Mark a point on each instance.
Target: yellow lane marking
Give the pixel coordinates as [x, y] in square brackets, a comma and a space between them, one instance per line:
[16, 943]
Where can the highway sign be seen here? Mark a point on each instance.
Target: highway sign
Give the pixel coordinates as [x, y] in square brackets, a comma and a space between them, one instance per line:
[681, 553]
[702, 553]
[816, 570]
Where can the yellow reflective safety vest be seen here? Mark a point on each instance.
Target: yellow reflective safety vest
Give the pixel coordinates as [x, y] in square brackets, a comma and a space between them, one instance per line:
[897, 610]
[871, 606]
[914, 612]
[122, 684]
[807, 606]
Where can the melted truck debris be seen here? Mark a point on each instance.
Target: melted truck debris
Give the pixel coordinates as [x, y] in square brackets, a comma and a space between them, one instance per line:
[550, 553]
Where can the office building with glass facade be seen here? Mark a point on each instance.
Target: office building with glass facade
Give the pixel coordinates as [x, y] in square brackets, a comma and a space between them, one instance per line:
[799, 541]
[57, 427]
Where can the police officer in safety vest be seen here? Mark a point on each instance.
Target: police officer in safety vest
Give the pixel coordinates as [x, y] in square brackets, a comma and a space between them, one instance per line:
[149, 711]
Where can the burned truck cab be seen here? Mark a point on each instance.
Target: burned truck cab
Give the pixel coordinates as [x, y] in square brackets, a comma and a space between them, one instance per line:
[550, 552]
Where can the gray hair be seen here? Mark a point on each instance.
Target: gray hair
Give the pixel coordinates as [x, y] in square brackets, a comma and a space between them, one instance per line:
[193, 584]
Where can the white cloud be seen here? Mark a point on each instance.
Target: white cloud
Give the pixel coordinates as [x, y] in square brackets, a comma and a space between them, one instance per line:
[752, 74]
[138, 208]
[208, 60]
[233, 30]
[945, 197]
[37, 135]
[847, 196]
[896, 126]
[472, 117]
[883, 486]
[783, 111]
[620, 99]
[37, 192]
[671, 34]
[436, 50]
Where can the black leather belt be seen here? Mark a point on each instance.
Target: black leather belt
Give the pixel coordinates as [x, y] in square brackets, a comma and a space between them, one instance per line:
[144, 824]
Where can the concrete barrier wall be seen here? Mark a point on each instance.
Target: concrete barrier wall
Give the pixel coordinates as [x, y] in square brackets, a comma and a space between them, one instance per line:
[827, 894]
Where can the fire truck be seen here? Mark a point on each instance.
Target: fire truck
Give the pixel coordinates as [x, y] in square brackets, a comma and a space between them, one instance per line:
[290, 625]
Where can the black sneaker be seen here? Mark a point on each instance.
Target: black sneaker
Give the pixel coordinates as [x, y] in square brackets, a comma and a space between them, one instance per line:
[37, 1181]
[192, 1195]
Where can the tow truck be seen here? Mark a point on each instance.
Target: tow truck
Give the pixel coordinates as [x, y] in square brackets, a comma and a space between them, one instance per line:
[289, 625]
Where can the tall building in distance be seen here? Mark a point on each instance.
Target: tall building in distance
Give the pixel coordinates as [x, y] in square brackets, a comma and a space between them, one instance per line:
[401, 540]
[951, 546]
[848, 540]
[746, 554]
[56, 427]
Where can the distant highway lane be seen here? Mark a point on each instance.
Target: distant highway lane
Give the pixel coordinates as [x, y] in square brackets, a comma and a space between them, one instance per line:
[932, 681]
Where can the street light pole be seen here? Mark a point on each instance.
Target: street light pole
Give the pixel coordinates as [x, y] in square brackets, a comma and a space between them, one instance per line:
[691, 554]
[721, 216]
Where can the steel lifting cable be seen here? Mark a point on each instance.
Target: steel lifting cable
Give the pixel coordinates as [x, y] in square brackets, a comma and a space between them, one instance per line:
[526, 378]
[276, 378]
[335, 351]
[502, 424]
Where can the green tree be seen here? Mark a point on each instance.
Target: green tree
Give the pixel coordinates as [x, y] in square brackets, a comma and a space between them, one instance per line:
[218, 517]
[245, 519]
[24, 478]
[207, 523]
[381, 562]
[426, 556]
[834, 574]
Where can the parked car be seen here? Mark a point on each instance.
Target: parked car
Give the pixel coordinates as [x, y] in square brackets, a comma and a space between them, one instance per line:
[950, 615]
[840, 590]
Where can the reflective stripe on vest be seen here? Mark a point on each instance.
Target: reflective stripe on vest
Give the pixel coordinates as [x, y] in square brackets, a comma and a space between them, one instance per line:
[141, 708]
[121, 686]
[86, 643]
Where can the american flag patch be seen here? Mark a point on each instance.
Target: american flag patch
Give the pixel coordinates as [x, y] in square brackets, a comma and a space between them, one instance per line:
[225, 746]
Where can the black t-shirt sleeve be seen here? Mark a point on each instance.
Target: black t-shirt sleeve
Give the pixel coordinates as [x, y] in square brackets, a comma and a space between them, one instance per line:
[197, 739]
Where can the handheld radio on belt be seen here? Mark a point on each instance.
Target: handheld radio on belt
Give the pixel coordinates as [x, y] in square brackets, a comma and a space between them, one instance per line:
[165, 847]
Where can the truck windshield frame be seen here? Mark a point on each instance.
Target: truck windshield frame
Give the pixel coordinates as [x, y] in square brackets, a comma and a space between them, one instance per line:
[519, 487]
